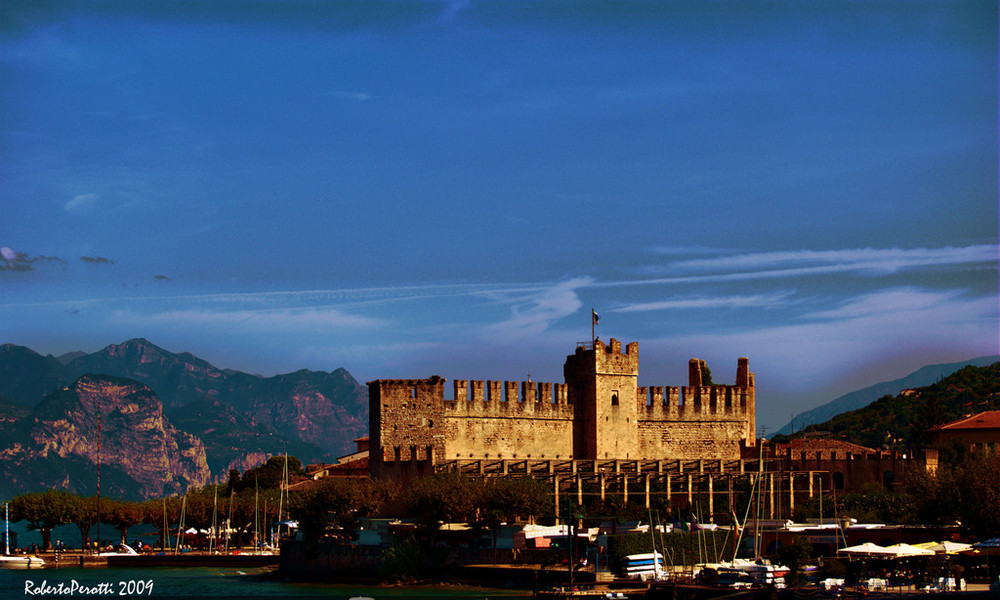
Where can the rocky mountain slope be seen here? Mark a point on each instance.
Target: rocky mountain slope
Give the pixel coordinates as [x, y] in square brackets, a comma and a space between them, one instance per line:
[237, 419]
[117, 420]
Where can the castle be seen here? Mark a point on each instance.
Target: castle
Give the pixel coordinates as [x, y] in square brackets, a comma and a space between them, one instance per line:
[599, 413]
[600, 433]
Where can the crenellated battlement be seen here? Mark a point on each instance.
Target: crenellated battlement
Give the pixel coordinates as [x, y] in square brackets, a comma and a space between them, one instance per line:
[701, 402]
[598, 413]
[510, 398]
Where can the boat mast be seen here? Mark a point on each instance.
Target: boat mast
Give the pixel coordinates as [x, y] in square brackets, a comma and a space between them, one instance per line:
[229, 521]
[212, 545]
[282, 490]
[180, 524]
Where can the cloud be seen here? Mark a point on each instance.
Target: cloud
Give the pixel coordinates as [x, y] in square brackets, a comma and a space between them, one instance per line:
[891, 302]
[534, 313]
[273, 321]
[356, 96]
[702, 302]
[81, 202]
[100, 260]
[888, 260]
[821, 355]
[14, 260]
[801, 263]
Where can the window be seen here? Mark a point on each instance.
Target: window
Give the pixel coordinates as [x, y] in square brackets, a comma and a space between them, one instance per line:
[614, 398]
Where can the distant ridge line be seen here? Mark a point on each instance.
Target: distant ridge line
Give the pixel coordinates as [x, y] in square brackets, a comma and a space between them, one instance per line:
[923, 376]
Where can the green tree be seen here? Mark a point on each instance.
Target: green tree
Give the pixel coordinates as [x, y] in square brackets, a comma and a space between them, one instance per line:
[706, 374]
[269, 475]
[516, 499]
[449, 497]
[162, 513]
[930, 414]
[978, 484]
[83, 514]
[123, 514]
[44, 511]
[336, 501]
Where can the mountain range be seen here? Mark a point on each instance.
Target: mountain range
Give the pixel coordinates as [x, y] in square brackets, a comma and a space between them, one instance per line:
[863, 397]
[153, 422]
[167, 420]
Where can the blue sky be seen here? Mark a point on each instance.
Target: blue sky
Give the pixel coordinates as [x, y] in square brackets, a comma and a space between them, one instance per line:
[415, 188]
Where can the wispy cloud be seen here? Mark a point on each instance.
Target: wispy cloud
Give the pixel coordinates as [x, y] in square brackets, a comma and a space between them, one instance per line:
[710, 302]
[277, 321]
[97, 260]
[801, 263]
[348, 95]
[535, 313]
[895, 301]
[81, 202]
[878, 260]
[901, 324]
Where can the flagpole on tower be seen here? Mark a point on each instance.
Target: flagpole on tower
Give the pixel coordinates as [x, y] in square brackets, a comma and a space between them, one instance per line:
[594, 318]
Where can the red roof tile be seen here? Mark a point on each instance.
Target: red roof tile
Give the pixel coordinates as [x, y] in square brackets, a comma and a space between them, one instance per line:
[984, 420]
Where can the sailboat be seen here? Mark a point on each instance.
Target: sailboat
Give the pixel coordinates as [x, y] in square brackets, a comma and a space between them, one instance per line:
[8, 561]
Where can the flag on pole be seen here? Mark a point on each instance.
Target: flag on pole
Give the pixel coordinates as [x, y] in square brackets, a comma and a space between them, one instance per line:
[596, 317]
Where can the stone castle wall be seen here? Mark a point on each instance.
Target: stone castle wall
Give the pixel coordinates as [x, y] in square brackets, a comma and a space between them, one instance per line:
[599, 413]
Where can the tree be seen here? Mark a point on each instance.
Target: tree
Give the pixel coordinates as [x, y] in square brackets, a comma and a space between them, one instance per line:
[83, 514]
[269, 474]
[514, 498]
[930, 414]
[338, 501]
[161, 513]
[706, 374]
[445, 497]
[124, 514]
[979, 493]
[44, 511]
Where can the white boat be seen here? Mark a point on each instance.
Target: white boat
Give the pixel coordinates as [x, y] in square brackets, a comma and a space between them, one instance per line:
[121, 550]
[9, 561]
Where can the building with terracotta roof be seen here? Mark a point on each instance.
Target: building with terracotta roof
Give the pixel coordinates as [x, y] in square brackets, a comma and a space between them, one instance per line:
[980, 432]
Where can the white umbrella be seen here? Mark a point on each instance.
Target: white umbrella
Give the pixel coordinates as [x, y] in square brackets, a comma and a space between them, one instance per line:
[902, 549]
[947, 547]
[867, 548]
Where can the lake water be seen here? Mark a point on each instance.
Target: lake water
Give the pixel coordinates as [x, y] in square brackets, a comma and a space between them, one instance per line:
[193, 583]
[209, 583]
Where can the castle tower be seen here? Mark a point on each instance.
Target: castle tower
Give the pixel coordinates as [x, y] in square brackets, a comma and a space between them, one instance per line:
[602, 384]
[405, 420]
[745, 381]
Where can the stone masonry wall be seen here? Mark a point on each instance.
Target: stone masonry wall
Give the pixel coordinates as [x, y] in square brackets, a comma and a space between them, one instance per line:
[599, 413]
[492, 420]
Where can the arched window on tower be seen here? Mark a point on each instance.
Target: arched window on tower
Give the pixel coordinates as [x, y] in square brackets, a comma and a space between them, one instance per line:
[614, 398]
